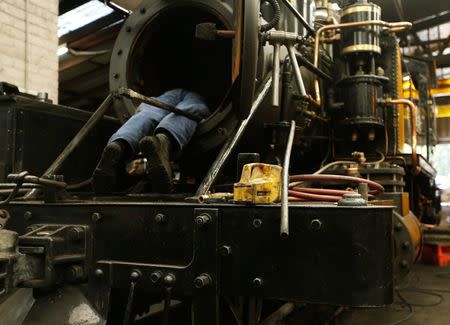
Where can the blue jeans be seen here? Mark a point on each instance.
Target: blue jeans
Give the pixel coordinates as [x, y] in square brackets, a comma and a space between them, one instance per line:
[150, 120]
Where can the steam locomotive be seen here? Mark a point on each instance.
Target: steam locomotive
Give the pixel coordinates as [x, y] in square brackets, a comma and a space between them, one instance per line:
[314, 87]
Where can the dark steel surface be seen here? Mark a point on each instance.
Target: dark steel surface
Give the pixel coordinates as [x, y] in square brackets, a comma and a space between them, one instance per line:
[341, 262]
[33, 133]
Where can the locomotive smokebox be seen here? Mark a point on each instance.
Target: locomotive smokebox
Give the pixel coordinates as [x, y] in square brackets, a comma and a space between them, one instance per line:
[157, 50]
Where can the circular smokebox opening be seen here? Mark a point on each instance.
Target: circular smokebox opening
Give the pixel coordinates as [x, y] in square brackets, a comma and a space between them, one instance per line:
[167, 55]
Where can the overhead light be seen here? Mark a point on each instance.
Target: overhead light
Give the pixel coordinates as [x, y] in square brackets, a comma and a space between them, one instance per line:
[62, 50]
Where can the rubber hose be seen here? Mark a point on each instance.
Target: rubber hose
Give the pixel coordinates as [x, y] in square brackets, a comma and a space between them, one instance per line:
[276, 18]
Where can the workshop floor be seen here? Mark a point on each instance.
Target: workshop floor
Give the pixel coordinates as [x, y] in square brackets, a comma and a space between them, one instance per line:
[422, 299]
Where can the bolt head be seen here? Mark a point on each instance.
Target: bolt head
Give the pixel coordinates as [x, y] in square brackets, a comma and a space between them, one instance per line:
[28, 215]
[202, 281]
[202, 220]
[225, 250]
[406, 245]
[257, 223]
[135, 275]
[316, 225]
[257, 282]
[96, 217]
[169, 280]
[404, 264]
[398, 226]
[98, 273]
[160, 218]
[156, 276]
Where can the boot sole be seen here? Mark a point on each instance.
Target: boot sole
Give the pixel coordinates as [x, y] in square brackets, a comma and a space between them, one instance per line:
[160, 179]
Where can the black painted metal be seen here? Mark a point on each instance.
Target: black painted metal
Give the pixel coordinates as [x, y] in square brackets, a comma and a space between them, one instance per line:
[347, 261]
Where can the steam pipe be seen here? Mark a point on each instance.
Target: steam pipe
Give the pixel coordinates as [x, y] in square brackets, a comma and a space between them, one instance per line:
[284, 225]
[413, 122]
[276, 75]
[393, 27]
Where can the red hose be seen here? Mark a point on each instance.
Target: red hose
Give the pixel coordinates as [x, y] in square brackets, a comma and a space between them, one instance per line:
[335, 178]
[314, 197]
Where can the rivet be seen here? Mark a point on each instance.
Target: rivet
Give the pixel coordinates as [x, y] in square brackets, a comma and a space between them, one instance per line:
[257, 223]
[257, 282]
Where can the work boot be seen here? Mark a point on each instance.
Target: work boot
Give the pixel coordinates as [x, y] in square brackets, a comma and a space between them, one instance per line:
[104, 179]
[157, 151]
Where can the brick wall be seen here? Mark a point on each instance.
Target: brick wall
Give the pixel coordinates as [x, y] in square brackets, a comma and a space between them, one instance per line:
[28, 45]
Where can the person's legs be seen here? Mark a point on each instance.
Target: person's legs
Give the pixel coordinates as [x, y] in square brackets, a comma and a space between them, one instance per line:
[172, 134]
[125, 142]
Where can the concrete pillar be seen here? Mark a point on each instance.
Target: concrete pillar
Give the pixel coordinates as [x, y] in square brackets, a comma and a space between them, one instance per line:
[28, 45]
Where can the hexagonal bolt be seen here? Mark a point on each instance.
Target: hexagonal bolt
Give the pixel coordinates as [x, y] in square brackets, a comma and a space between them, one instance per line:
[257, 282]
[202, 281]
[315, 225]
[75, 234]
[398, 226]
[160, 218]
[96, 217]
[169, 280]
[74, 273]
[225, 250]
[156, 277]
[202, 220]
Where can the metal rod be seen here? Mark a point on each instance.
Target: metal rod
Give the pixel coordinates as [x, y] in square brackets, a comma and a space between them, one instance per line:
[284, 225]
[276, 75]
[231, 143]
[299, 16]
[81, 135]
[308, 65]
[152, 101]
[297, 72]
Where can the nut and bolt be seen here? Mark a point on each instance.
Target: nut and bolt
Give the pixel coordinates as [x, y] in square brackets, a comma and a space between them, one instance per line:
[28, 215]
[74, 273]
[257, 282]
[257, 223]
[156, 276]
[202, 220]
[406, 245]
[352, 199]
[202, 281]
[169, 280]
[160, 218]
[404, 264]
[96, 217]
[225, 250]
[316, 225]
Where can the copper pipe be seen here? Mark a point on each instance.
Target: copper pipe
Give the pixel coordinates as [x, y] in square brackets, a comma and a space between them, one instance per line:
[393, 27]
[413, 122]
[335, 178]
[314, 197]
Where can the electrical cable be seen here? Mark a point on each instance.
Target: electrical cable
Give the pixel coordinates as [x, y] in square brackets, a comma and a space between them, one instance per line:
[276, 18]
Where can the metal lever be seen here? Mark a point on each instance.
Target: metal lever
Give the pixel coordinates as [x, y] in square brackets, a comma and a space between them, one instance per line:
[278, 39]
[134, 277]
[284, 225]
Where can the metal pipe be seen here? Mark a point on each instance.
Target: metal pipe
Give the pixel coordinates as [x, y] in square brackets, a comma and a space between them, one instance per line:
[413, 123]
[308, 65]
[393, 27]
[299, 16]
[335, 178]
[231, 143]
[284, 225]
[276, 75]
[297, 72]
